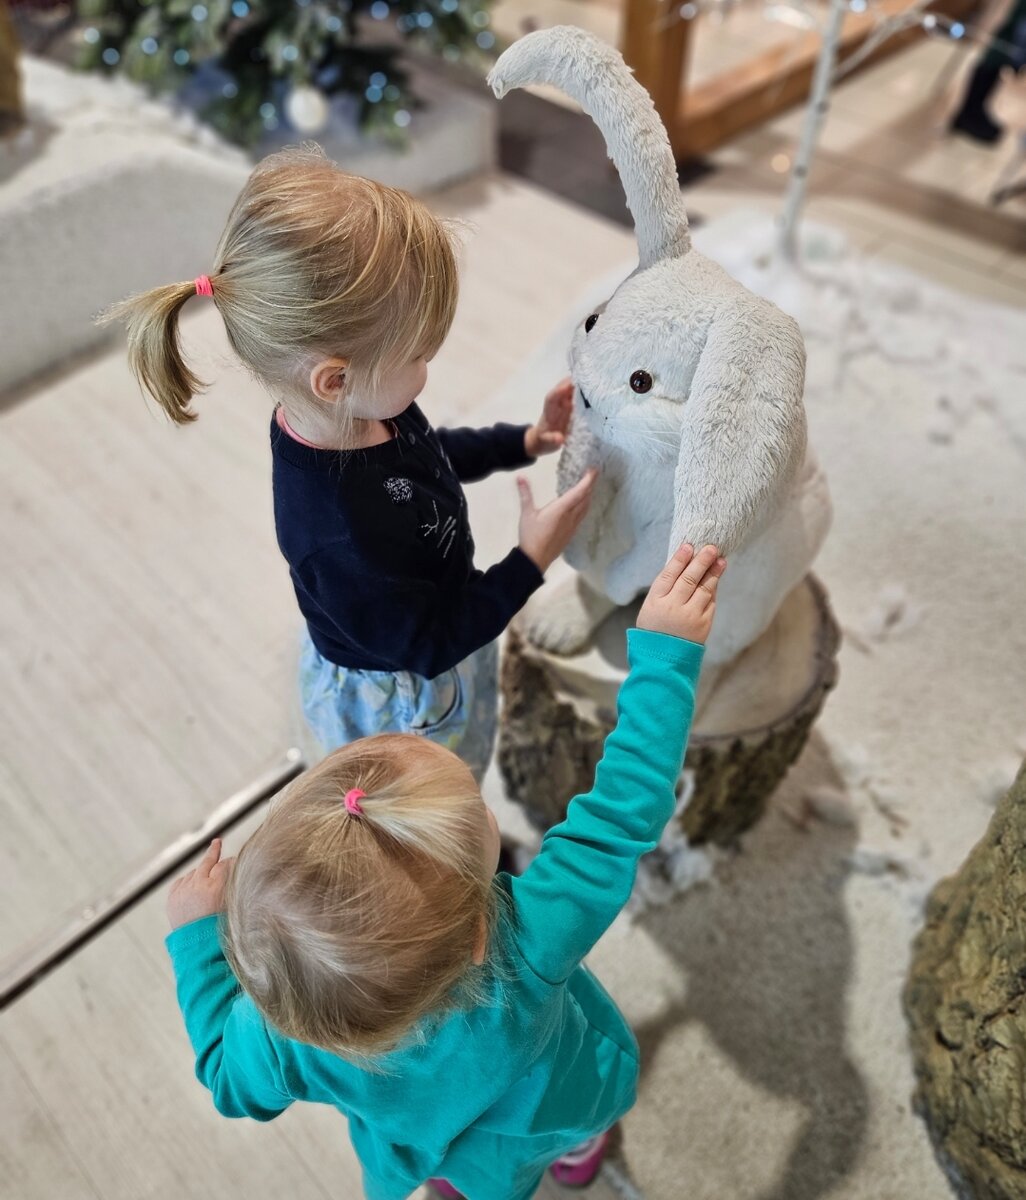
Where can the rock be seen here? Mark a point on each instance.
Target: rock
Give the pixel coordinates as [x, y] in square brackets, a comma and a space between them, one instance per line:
[752, 724]
[966, 1005]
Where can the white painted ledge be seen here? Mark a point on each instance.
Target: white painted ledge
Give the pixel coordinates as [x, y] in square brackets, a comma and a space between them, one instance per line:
[108, 193]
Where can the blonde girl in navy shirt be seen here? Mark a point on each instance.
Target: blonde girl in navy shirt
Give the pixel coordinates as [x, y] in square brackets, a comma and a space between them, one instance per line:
[336, 292]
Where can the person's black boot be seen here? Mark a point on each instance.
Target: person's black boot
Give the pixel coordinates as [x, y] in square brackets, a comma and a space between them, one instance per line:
[972, 118]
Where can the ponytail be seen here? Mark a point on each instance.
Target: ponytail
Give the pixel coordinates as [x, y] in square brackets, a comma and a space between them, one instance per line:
[155, 348]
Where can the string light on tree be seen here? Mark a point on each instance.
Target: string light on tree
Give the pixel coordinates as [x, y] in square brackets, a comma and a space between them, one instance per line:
[307, 110]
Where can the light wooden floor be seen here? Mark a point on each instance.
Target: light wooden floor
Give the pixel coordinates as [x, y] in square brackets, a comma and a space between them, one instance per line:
[147, 634]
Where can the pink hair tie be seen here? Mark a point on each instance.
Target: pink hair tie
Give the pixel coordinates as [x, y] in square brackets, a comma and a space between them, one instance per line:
[353, 798]
[204, 286]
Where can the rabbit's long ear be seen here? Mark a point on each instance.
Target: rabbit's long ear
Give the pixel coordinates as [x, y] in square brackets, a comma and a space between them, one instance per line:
[595, 75]
[744, 429]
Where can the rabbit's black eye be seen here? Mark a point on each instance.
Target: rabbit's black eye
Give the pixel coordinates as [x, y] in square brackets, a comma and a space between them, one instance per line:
[641, 381]
[589, 325]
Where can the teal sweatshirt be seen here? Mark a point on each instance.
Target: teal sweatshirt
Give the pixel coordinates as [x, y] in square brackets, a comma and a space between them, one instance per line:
[487, 1097]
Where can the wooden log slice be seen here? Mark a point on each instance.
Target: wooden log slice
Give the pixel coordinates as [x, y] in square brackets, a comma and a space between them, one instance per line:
[966, 1005]
[751, 725]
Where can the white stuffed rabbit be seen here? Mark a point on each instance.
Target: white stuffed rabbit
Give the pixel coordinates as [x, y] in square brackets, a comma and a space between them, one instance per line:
[688, 393]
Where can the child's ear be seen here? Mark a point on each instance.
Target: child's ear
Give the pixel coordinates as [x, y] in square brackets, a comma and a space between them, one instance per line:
[481, 945]
[328, 379]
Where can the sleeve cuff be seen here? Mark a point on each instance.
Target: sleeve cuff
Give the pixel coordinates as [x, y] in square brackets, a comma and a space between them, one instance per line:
[522, 574]
[643, 645]
[196, 933]
[509, 446]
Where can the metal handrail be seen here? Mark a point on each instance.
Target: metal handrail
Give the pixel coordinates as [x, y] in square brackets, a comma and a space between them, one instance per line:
[33, 962]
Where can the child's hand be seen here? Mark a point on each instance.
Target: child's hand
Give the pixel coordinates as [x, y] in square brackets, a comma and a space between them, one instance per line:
[546, 532]
[682, 599]
[550, 432]
[200, 892]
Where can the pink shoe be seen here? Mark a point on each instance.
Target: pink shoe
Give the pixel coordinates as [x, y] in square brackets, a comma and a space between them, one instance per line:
[579, 1166]
[444, 1190]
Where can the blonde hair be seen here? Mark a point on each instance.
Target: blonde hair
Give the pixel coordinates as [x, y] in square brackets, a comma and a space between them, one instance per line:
[346, 930]
[313, 262]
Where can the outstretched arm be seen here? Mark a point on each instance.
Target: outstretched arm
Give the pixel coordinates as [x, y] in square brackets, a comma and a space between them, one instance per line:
[476, 453]
[744, 426]
[584, 873]
[392, 609]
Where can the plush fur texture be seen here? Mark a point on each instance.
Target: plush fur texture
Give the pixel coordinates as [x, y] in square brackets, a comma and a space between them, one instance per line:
[715, 450]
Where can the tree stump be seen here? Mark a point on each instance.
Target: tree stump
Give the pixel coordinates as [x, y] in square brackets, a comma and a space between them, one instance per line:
[966, 1004]
[557, 712]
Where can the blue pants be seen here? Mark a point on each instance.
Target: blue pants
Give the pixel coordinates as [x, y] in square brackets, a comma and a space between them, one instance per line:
[458, 709]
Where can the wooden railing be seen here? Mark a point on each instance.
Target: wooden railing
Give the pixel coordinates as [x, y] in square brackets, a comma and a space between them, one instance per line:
[657, 42]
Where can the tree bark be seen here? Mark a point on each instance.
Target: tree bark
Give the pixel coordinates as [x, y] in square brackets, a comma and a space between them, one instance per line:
[966, 1004]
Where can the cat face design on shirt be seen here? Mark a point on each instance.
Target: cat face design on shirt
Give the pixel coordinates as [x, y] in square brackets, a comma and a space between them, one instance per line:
[399, 489]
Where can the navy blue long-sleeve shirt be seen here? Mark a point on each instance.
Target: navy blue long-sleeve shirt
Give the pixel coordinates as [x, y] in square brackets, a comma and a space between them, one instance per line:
[380, 550]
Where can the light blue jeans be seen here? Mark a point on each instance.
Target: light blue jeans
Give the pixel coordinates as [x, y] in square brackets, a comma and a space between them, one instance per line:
[458, 709]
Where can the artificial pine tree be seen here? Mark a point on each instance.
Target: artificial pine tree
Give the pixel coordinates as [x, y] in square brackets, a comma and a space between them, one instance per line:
[252, 65]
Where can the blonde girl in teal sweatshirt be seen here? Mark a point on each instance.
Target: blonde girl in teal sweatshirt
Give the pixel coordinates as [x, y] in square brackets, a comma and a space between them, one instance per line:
[362, 953]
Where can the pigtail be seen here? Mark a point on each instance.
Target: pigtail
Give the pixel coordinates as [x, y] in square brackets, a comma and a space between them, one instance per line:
[434, 820]
[155, 349]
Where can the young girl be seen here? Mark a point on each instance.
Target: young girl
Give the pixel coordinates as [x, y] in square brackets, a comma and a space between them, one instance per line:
[386, 971]
[336, 292]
